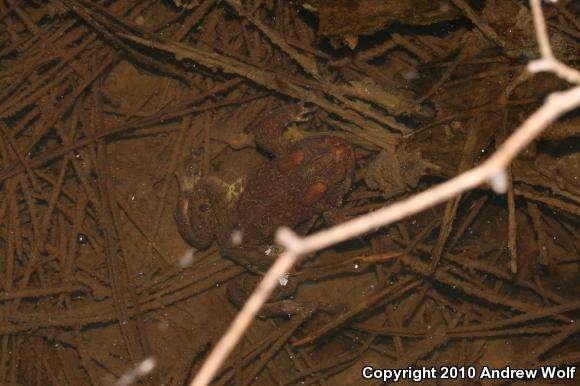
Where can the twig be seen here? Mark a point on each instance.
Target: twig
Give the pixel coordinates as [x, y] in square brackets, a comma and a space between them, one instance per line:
[556, 105]
[512, 225]
[485, 29]
[305, 62]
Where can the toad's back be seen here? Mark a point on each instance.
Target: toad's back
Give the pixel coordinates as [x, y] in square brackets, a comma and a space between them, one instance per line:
[312, 177]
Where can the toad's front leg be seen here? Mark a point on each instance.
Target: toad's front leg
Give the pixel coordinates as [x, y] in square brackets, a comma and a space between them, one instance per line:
[241, 287]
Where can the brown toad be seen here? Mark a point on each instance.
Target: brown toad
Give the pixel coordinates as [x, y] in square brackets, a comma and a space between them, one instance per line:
[305, 179]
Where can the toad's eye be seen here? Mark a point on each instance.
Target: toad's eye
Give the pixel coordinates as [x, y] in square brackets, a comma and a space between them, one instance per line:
[203, 207]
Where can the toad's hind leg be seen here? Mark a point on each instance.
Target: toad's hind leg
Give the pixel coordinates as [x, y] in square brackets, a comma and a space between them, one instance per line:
[194, 216]
[240, 288]
[202, 208]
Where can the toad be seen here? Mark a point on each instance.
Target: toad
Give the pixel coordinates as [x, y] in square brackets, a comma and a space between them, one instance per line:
[303, 180]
